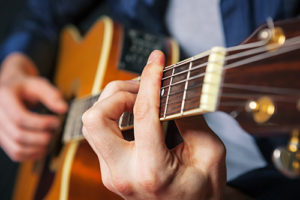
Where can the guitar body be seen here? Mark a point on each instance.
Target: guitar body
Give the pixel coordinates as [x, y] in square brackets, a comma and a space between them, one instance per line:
[85, 66]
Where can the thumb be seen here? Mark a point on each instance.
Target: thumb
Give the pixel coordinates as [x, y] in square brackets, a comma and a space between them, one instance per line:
[200, 140]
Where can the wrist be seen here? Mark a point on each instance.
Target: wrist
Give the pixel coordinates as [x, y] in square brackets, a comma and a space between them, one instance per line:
[17, 65]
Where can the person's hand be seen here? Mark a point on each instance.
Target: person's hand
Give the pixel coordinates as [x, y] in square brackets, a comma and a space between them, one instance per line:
[145, 168]
[25, 135]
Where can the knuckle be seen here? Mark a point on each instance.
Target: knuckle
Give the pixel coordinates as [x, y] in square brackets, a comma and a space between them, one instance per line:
[45, 140]
[122, 95]
[17, 154]
[123, 186]
[90, 117]
[86, 118]
[40, 80]
[19, 119]
[114, 86]
[149, 182]
[107, 182]
[86, 135]
[18, 137]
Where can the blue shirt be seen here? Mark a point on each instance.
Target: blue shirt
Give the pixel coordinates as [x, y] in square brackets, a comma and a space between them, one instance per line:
[36, 34]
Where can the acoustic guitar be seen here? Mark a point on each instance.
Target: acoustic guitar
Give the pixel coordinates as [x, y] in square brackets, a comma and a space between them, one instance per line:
[256, 82]
[107, 52]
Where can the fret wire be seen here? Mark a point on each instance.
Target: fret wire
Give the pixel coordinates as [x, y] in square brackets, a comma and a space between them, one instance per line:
[191, 88]
[185, 87]
[182, 81]
[184, 71]
[166, 104]
[238, 55]
[180, 63]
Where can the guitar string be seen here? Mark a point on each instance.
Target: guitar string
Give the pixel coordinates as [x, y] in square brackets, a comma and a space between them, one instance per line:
[242, 54]
[229, 49]
[247, 97]
[247, 46]
[291, 41]
[254, 88]
[242, 62]
[80, 106]
[239, 47]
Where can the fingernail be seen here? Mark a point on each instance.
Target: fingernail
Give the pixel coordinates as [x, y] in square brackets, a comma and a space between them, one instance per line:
[153, 56]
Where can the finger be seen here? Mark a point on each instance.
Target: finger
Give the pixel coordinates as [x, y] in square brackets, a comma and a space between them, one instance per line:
[15, 110]
[39, 89]
[18, 152]
[101, 128]
[105, 172]
[200, 140]
[149, 137]
[115, 86]
[24, 136]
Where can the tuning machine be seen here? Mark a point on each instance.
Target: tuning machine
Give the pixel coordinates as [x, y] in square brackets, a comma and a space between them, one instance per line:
[287, 159]
[274, 37]
[262, 109]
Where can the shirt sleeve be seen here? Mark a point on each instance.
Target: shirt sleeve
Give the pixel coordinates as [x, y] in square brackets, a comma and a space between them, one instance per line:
[36, 32]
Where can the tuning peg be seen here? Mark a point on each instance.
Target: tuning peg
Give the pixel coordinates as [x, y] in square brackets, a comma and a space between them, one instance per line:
[287, 159]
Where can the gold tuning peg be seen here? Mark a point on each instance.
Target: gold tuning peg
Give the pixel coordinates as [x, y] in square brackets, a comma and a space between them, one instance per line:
[287, 159]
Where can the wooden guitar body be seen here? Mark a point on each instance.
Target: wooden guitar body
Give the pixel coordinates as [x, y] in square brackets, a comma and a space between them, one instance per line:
[85, 66]
[255, 82]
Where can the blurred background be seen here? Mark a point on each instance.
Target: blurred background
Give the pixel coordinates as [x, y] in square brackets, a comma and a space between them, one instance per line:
[9, 10]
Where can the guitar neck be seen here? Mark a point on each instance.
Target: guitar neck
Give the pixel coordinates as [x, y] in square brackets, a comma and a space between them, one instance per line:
[253, 90]
[184, 91]
[73, 125]
[190, 87]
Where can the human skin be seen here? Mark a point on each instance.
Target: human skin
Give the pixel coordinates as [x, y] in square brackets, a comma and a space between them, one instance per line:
[25, 135]
[145, 168]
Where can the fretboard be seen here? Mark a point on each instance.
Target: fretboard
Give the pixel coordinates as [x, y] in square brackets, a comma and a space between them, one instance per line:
[73, 126]
[190, 87]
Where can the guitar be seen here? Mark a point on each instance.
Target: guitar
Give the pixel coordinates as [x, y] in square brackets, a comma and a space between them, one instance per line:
[85, 65]
[255, 82]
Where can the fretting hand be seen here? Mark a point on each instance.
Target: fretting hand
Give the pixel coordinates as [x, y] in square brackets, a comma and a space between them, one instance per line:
[146, 168]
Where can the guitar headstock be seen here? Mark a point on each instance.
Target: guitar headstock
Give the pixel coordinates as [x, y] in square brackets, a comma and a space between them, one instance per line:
[263, 93]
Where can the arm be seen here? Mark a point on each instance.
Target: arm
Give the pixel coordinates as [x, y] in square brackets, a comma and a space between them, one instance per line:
[146, 168]
[30, 51]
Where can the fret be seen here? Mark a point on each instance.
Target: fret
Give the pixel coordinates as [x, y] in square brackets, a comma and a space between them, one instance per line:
[126, 121]
[186, 86]
[201, 91]
[168, 95]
